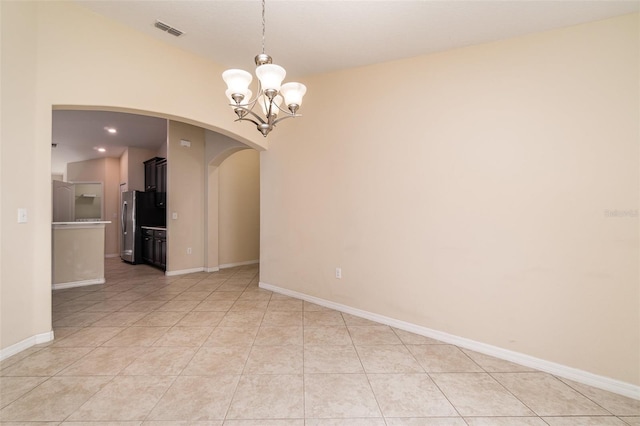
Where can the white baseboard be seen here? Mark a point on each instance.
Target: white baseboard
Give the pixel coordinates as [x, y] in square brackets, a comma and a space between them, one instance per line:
[25, 344]
[183, 271]
[580, 376]
[108, 256]
[233, 265]
[214, 269]
[82, 283]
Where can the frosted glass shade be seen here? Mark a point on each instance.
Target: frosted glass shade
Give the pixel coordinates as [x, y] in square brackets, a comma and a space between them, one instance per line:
[264, 104]
[245, 100]
[293, 93]
[238, 81]
[270, 76]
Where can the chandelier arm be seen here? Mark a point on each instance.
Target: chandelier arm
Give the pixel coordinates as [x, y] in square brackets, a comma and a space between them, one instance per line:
[270, 109]
[248, 106]
[253, 114]
[283, 110]
[284, 118]
[289, 113]
[248, 119]
[252, 102]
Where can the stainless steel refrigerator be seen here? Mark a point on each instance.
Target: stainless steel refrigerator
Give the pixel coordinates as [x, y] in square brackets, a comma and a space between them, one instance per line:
[138, 209]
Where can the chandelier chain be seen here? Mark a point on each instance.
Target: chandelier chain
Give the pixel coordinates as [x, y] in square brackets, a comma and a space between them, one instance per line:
[263, 24]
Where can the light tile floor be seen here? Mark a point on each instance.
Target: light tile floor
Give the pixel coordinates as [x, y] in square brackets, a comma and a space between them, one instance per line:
[214, 349]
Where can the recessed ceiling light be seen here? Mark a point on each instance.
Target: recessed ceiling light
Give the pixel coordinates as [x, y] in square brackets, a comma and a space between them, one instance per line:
[101, 149]
[111, 130]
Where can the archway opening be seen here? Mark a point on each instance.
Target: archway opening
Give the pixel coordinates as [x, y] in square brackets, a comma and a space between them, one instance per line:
[211, 149]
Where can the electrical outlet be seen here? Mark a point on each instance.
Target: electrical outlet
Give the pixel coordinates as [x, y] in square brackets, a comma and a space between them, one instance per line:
[339, 273]
[188, 250]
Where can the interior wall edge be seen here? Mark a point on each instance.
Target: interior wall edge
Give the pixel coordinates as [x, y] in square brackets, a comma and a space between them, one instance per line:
[233, 265]
[81, 283]
[601, 382]
[183, 271]
[25, 344]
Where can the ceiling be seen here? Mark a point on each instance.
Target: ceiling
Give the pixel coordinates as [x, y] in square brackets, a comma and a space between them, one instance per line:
[79, 134]
[318, 36]
[307, 37]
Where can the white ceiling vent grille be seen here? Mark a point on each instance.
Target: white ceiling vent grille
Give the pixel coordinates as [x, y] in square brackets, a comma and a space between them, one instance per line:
[168, 28]
[175, 32]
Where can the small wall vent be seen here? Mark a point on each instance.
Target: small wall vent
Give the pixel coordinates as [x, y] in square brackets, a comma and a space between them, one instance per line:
[168, 28]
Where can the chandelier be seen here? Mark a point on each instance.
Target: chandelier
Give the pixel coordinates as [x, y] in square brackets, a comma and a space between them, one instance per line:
[271, 92]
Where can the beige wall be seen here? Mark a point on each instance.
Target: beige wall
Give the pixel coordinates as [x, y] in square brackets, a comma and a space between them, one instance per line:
[480, 211]
[76, 257]
[470, 192]
[112, 207]
[124, 171]
[88, 207]
[212, 252]
[185, 196]
[57, 54]
[239, 208]
[162, 149]
[217, 149]
[107, 171]
[25, 176]
[132, 167]
[137, 73]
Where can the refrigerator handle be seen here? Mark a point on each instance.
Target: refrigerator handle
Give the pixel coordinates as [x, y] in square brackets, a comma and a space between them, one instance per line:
[123, 221]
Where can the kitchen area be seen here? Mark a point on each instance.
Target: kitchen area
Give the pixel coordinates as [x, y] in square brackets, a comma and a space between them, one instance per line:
[209, 221]
[143, 218]
[78, 234]
[79, 228]
[98, 159]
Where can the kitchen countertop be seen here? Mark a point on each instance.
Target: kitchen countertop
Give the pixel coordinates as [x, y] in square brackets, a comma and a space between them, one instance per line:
[155, 228]
[80, 224]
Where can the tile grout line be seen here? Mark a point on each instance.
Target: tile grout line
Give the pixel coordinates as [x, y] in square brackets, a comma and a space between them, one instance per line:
[364, 370]
[235, 391]
[185, 287]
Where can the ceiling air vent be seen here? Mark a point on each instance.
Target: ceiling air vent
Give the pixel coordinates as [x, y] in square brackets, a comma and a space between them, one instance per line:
[168, 28]
[175, 32]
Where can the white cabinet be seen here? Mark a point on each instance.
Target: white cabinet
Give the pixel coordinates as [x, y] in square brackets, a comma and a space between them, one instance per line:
[77, 201]
[64, 194]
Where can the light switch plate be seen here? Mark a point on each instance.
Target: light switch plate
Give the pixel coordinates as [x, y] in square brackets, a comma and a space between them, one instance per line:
[22, 215]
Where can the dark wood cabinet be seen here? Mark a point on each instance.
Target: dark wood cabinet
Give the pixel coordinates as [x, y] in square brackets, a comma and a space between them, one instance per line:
[160, 249]
[150, 174]
[147, 245]
[155, 179]
[161, 183]
[154, 247]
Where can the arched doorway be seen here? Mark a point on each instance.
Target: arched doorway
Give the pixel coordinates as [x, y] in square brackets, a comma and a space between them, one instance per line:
[196, 201]
[69, 58]
[233, 204]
